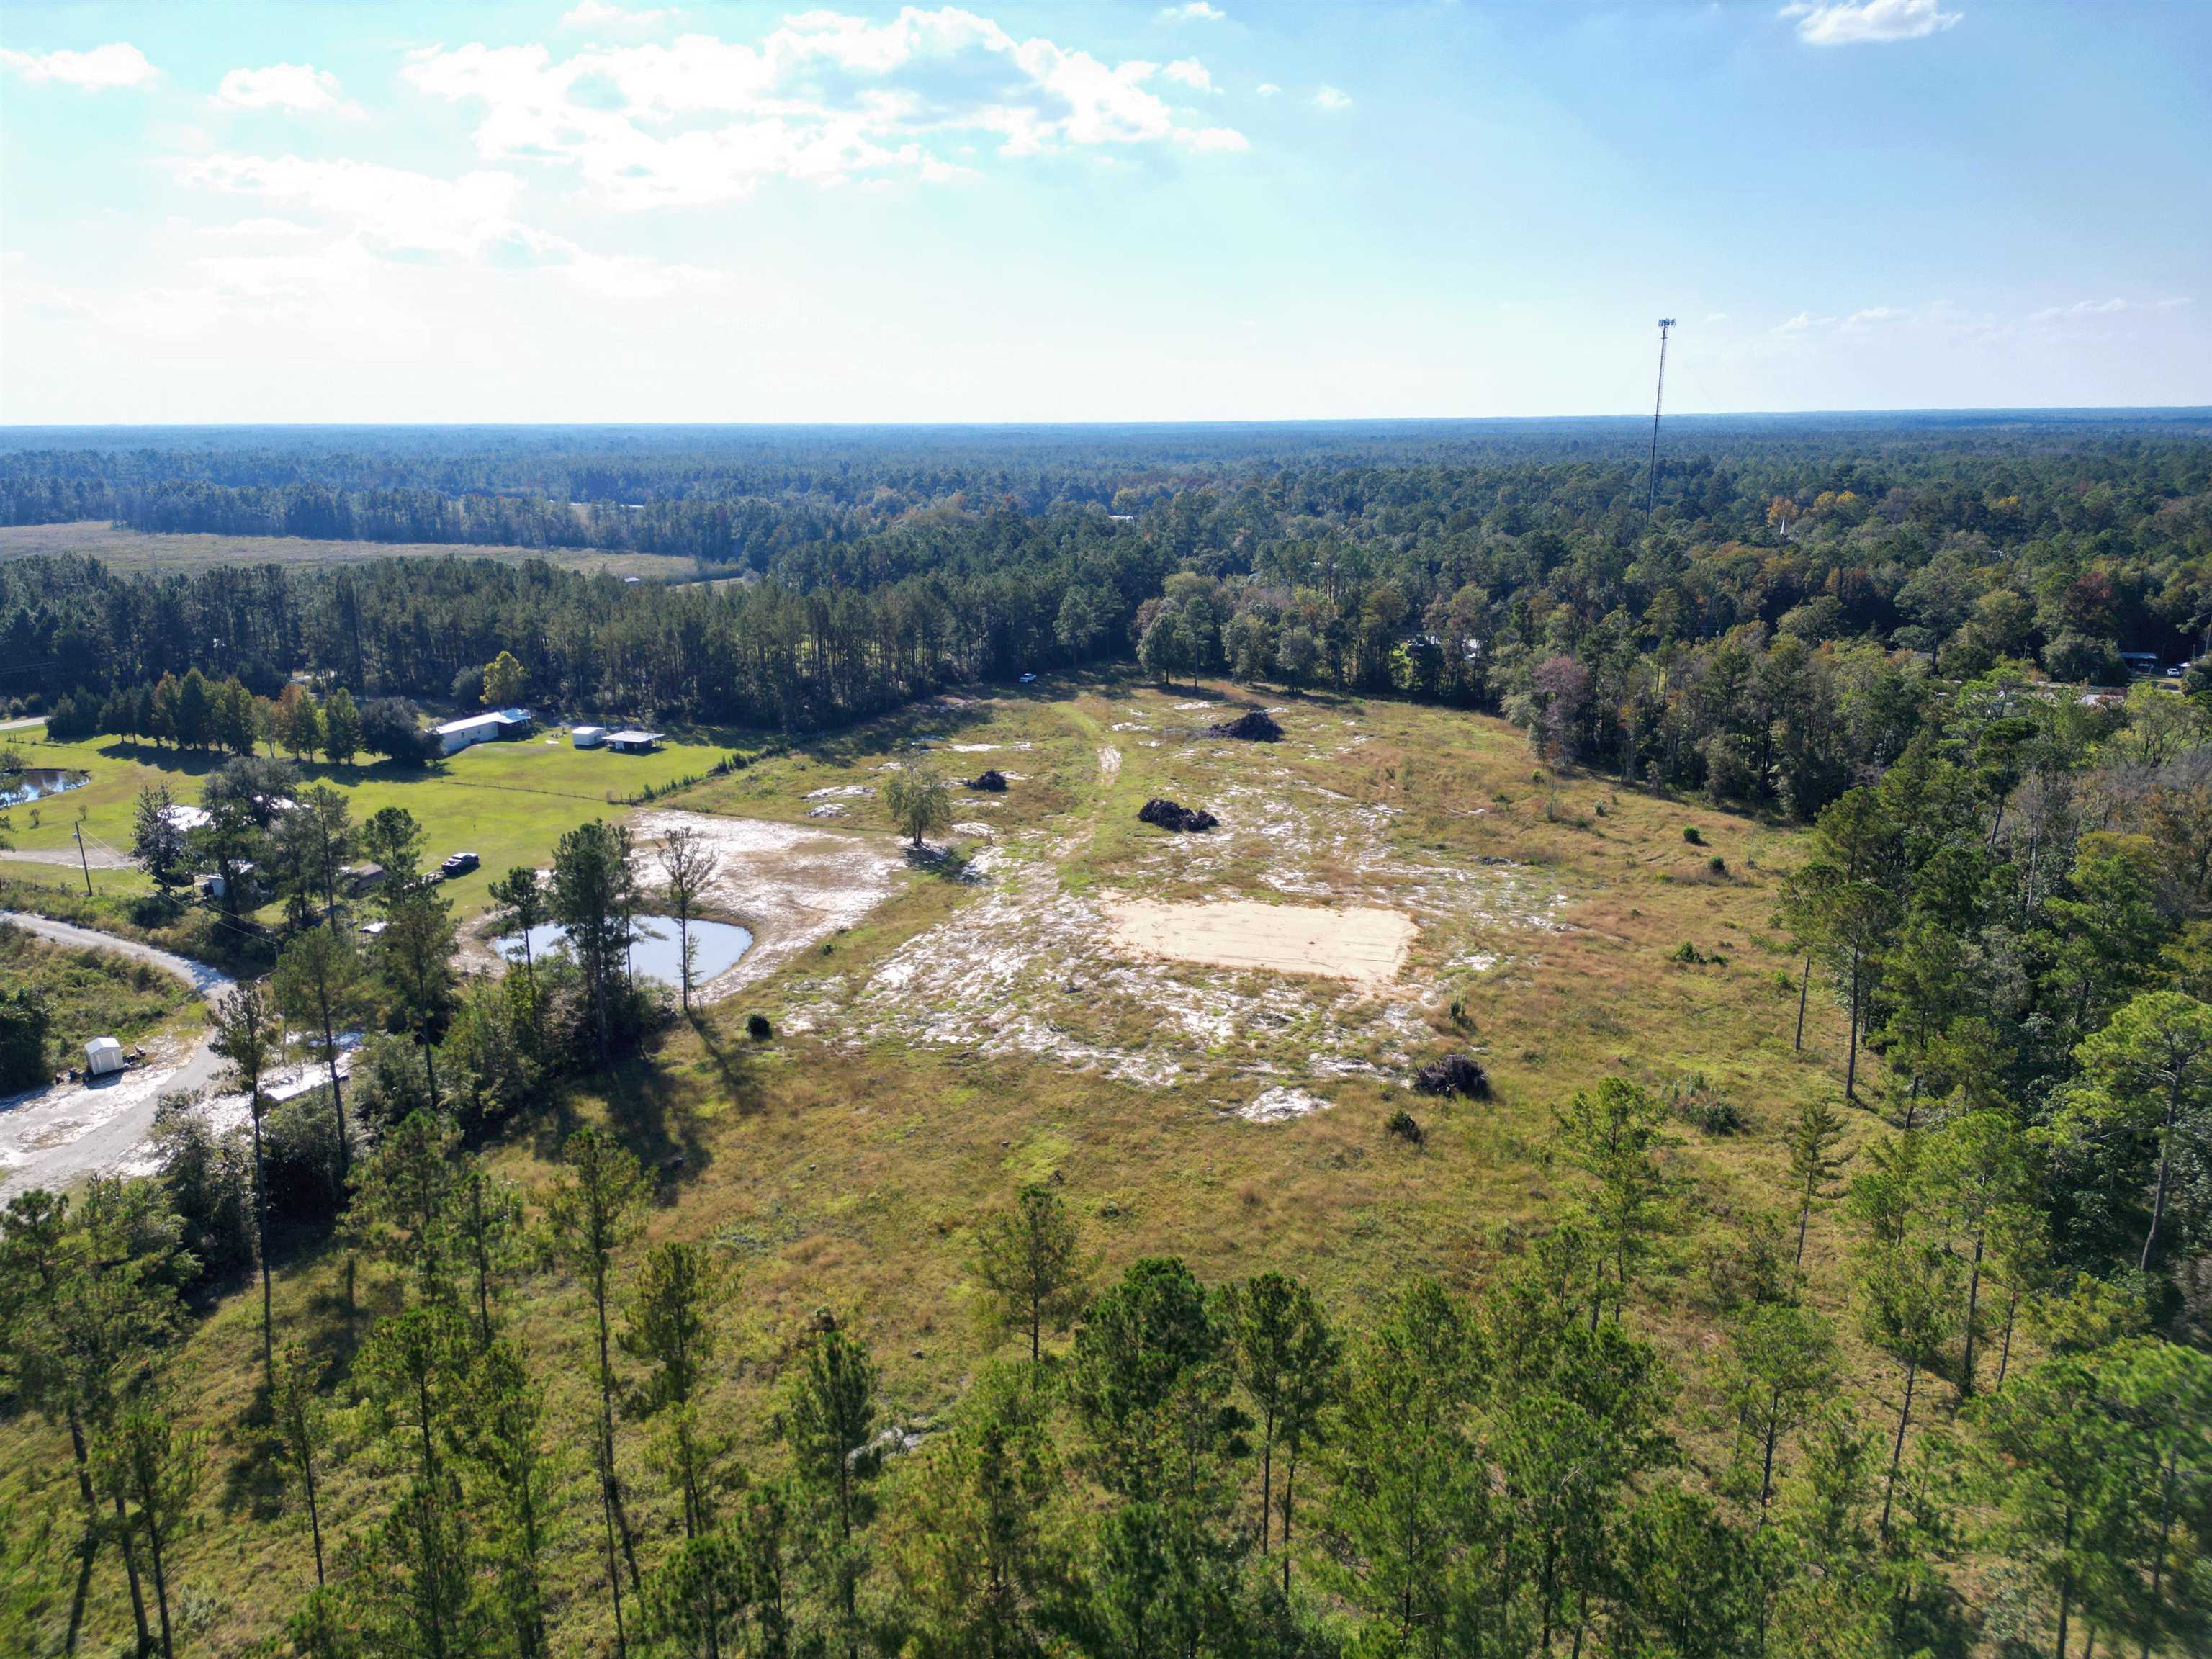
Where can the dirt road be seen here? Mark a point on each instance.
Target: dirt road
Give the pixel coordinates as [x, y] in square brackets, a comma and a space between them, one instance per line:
[53, 1137]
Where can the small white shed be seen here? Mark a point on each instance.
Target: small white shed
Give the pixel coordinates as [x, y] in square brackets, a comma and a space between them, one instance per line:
[101, 1056]
[587, 736]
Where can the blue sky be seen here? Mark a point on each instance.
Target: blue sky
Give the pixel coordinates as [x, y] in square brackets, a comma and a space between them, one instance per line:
[593, 211]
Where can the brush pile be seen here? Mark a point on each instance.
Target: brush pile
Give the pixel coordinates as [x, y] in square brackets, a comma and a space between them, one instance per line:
[1169, 815]
[1455, 1074]
[1253, 726]
[993, 782]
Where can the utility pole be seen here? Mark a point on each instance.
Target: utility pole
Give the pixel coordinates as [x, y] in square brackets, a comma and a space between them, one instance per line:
[79, 832]
[1651, 496]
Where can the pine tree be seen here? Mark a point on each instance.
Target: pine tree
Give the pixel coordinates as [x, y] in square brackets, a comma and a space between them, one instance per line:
[592, 1213]
[1032, 1261]
[245, 1036]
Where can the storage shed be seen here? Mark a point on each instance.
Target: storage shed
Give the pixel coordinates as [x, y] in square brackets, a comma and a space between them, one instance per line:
[630, 741]
[102, 1056]
[587, 736]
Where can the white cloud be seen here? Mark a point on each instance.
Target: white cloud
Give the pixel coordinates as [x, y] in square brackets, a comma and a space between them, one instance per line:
[395, 213]
[599, 15]
[824, 97]
[2079, 310]
[1868, 22]
[1196, 12]
[1332, 99]
[300, 86]
[1189, 72]
[1212, 141]
[1873, 314]
[370, 216]
[1716, 316]
[1267, 88]
[117, 65]
[2174, 303]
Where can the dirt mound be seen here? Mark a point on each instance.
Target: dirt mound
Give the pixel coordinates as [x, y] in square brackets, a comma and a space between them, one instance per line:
[1455, 1074]
[1253, 726]
[992, 781]
[1170, 815]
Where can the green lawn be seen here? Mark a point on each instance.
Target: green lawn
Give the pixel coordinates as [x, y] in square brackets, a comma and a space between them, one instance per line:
[507, 802]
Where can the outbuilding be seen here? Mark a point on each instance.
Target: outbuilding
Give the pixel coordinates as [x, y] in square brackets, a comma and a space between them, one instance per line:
[102, 1057]
[630, 741]
[587, 736]
[500, 725]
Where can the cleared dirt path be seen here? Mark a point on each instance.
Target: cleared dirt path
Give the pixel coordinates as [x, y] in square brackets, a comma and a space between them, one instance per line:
[54, 1137]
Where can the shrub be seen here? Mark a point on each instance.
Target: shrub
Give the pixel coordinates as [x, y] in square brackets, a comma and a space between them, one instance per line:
[1694, 1101]
[757, 1028]
[1717, 865]
[1692, 835]
[1402, 1126]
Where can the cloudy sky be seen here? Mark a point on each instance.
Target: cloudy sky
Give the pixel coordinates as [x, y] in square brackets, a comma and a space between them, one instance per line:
[600, 211]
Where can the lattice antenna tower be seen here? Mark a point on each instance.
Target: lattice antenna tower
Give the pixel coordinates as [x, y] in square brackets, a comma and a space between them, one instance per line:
[1651, 495]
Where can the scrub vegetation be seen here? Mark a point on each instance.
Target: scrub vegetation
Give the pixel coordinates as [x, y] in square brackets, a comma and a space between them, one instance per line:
[1763, 1211]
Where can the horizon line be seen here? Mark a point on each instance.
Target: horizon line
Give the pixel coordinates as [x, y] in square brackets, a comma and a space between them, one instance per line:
[2077, 411]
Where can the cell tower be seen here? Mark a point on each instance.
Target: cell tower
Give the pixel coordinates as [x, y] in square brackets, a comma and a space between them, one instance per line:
[1651, 496]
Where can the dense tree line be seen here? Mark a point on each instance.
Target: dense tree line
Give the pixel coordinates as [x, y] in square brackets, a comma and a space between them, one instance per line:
[1766, 635]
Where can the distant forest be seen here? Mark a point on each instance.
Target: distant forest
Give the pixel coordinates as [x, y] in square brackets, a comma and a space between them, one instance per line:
[1768, 632]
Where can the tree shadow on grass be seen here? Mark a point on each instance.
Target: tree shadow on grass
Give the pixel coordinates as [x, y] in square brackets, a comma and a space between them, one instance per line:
[259, 1482]
[648, 1114]
[732, 1060]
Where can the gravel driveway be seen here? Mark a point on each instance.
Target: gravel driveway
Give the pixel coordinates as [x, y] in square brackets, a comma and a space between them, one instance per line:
[53, 1137]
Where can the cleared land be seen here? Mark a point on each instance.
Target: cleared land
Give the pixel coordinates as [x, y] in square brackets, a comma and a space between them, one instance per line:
[139, 550]
[974, 1025]
[1357, 943]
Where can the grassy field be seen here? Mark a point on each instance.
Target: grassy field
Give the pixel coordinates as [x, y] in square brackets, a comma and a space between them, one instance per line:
[974, 1032]
[91, 993]
[507, 802]
[150, 553]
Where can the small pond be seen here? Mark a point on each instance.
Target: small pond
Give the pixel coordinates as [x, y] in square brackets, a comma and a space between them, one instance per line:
[36, 783]
[716, 946]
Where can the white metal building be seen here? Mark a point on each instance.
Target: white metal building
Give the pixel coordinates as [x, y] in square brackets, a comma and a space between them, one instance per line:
[496, 727]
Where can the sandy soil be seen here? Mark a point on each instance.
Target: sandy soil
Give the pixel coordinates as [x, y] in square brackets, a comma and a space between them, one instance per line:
[1363, 945]
[1281, 1105]
[792, 886]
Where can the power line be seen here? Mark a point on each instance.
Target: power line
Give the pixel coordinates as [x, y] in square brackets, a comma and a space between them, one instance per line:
[1651, 498]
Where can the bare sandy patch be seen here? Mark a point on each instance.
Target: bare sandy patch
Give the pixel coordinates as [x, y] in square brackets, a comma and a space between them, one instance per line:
[1361, 944]
[792, 884]
[1109, 763]
[1281, 1105]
